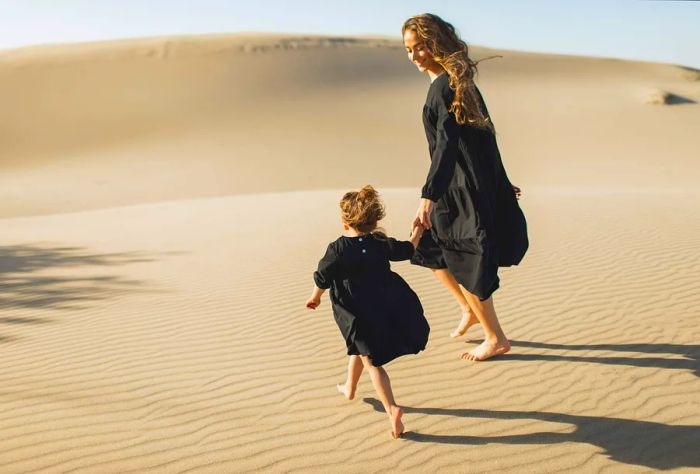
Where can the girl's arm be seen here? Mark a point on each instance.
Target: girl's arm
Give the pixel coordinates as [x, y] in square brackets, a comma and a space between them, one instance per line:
[404, 249]
[323, 276]
[315, 300]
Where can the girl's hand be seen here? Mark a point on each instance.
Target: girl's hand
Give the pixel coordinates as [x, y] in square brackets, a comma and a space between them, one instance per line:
[312, 303]
[517, 191]
[417, 232]
[423, 214]
[315, 299]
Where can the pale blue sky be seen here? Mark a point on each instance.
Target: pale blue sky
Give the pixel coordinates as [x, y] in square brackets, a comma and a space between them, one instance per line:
[666, 31]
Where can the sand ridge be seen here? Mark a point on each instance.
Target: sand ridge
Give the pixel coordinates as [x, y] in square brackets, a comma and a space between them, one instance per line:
[173, 351]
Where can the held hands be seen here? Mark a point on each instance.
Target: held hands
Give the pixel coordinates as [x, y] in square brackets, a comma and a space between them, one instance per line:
[417, 231]
[422, 221]
[416, 234]
[425, 208]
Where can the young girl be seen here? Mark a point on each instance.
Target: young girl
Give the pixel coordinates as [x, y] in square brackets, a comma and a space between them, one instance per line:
[378, 314]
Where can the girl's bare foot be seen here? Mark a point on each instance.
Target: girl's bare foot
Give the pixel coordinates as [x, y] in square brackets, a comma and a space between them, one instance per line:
[342, 388]
[468, 320]
[486, 350]
[396, 424]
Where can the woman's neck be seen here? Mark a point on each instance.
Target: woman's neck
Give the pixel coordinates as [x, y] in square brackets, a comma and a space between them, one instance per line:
[436, 72]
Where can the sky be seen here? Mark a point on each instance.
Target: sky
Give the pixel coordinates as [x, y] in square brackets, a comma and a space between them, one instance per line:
[652, 30]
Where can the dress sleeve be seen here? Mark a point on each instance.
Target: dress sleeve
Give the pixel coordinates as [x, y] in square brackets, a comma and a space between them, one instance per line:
[327, 269]
[444, 156]
[399, 249]
[501, 170]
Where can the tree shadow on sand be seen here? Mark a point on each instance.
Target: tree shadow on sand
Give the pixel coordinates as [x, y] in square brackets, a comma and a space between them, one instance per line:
[24, 283]
[690, 353]
[642, 443]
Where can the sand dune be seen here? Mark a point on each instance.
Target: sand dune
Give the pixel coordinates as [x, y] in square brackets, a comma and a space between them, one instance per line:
[154, 267]
[147, 120]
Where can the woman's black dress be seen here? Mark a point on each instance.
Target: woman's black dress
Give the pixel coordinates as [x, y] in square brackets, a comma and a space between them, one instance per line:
[477, 223]
[378, 314]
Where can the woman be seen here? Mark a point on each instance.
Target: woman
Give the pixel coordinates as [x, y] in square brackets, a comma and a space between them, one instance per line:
[467, 204]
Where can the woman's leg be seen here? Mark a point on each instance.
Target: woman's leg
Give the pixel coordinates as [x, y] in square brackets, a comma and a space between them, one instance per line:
[468, 317]
[354, 371]
[496, 342]
[382, 384]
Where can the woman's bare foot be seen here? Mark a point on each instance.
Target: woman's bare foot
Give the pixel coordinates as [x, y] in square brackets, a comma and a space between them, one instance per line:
[468, 320]
[396, 424]
[342, 388]
[486, 350]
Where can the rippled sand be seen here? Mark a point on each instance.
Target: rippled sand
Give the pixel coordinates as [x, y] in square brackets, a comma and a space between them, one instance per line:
[162, 214]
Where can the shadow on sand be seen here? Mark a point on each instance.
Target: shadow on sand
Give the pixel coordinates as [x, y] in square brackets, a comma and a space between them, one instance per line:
[24, 283]
[675, 99]
[689, 352]
[641, 443]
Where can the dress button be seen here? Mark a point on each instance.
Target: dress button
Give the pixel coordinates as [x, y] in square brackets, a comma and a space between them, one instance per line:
[360, 239]
[364, 250]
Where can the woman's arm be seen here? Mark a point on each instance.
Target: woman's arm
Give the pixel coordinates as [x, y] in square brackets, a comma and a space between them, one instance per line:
[485, 110]
[444, 157]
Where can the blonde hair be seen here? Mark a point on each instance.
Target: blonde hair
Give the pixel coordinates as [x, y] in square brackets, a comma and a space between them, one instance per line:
[362, 209]
[450, 52]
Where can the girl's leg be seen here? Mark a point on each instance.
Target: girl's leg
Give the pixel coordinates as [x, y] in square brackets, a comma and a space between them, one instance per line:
[468, 317]
[354, 371]
[382, 384]
[496, 342]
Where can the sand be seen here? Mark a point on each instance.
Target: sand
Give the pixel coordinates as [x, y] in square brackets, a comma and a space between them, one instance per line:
[164, 201]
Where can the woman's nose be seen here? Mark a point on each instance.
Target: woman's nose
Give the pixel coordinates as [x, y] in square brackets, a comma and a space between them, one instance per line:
[414, 56]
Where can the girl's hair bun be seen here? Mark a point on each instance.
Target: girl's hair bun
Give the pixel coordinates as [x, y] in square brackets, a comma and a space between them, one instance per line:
[362, 209]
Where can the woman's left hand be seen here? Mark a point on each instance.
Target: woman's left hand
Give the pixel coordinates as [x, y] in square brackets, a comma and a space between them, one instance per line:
[517, 191]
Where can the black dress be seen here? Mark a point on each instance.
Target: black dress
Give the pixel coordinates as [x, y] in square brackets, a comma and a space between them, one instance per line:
[377, 313]
[477, 222]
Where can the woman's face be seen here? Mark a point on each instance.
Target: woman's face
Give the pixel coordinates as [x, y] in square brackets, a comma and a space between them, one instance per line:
[418, 52]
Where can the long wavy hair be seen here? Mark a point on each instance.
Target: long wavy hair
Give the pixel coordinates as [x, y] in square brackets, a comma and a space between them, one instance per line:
[450, 52]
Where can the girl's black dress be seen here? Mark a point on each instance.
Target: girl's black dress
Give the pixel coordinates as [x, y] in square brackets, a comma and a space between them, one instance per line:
[477, 222]
[378, 314]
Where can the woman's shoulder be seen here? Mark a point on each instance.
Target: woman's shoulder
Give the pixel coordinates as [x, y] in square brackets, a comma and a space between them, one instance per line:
[440, 90]
[441, 81]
